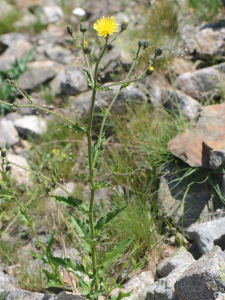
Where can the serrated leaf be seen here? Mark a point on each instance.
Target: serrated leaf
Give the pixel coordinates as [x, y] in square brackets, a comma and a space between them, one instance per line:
[88, 77]
[66, 200]
[81, 227]
[74, 127]
[108, 218]
[103, 88]
[37, 244]
[102, 109]
[101, 185]
[124, 85]
[25, 217]
[39, 256]
[50, 242]
[68, 263]
[121, 295]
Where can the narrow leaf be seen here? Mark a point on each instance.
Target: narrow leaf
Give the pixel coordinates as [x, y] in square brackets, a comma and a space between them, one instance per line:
[66, 200]
[102, 109]
[39, 256]
[49, 275]
[81, 227]
[50, 242]
[88, 77]
[54, 283]
[24, 217]
[68, 263]
[100, 185]
[108, 218]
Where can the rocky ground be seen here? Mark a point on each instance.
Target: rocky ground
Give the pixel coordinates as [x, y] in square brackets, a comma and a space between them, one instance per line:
[192, 86]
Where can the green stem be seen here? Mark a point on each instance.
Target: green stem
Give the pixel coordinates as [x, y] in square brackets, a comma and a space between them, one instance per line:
[41, 108]
[128, 81]
[87, 60]
[121, 174]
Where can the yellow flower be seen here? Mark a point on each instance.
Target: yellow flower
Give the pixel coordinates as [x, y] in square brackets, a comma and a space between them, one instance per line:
[106, 26]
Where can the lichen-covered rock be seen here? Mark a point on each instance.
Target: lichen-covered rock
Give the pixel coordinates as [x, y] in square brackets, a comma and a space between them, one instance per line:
[203, 279]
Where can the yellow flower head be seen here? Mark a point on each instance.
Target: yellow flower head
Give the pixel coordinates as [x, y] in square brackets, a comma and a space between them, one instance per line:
[106, 26]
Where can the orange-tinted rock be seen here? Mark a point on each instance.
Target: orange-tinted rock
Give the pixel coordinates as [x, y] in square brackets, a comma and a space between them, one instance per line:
[203, 146]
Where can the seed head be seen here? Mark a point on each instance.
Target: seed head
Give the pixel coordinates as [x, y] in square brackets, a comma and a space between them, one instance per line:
[124, 25]
[83, 27]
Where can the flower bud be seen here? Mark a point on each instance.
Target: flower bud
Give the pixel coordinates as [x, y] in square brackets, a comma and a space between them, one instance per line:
[3, 152]
[70, 30]
[8, 81]
[158, 52]
[83, 27]
[8, 168]
[124, 25]
[148, 170]
[146, 44]
[167, 229]
[14, 108]
[149, 70]
[140, 43]
[7, 145]
[87, 50]
[10, 75]
[15, 103]
[172, 230]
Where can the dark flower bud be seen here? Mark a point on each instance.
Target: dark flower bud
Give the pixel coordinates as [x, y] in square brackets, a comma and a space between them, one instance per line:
[167, 229]
[109, 47]
[148, 170]
[70, 30]
[124, 25]
[149, 70]
[8, 81]
[10, 75]
[14, 108]
[172, 230]
[146, 44]
[140, 43]
[8, 168]
[87, 50]
[158, 51]
[83, 27]
[164, 217]
[3, 152]
[7, 145]
[15, 103]
[48, 189]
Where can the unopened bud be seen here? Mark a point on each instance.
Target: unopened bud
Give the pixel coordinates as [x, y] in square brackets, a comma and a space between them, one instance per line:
[140, 43]
[87, 50]
[149, 70]
[8, 168]
[83, 27]
[15, 103]
[70, 30]
[146, 44]
[124, 25]
[14, 108]
[3, 152]
[10, 75]
[158, 52]
[148, 170]
[7, 145]
[167, 229]
[172, 230]
[8, 81]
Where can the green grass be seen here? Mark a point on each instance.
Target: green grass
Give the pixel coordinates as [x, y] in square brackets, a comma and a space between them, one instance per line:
[204, 10]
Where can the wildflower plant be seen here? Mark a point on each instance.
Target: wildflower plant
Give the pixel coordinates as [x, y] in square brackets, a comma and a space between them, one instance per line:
[94, 280]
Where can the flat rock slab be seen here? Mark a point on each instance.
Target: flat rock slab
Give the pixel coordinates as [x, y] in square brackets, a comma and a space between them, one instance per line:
[30, 125]
[8, 133]
[207, 235]
[203, 146]
[167, 265]
[186, 207]
[203, 279]
[203, 83]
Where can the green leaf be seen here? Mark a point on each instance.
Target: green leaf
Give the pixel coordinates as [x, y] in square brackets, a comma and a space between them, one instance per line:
[88, 77]
[66, 200]
[25, 217]
[121, 295]
[68, 263]
[100, 151]
[133, 261]
[28, 97]
[100, 185]
[102, 109]
[103, 88]
[108, 218]
[49, 275]
[85, 246]
[90, 242]
[81, 227]
[50, 242]
[54, 283]
[124, 85]
[39, 256]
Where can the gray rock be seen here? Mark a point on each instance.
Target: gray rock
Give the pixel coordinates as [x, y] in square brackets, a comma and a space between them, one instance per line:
[197, 206]
[101, 194]
[27, 20]
[217, 159]
[13, 293]
[5, 279]
[69, 81]
[59, 54]
[29, 110]
[8, 133]
[30, 125]
[50, 14]
[33, 78]
[207, 235]
[175, 100]
[69, 296]
[181, 257]
[139, 284]
[202, 83]
[20, 175]
[203, 279]
[163, 289]
[10, 39]
[128, 95]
